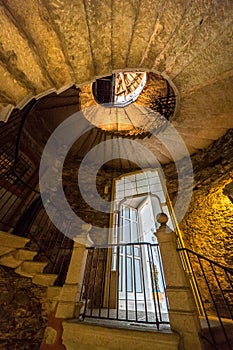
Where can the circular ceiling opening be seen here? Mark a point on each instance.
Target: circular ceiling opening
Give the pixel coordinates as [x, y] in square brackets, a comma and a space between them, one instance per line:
[119, 89]
[138, 103]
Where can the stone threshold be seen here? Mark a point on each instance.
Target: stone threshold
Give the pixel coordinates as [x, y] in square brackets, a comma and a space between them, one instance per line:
[109, 335]
[122, 324]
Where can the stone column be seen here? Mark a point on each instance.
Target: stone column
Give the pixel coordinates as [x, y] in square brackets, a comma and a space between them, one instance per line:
[182, 310]
[69, 305]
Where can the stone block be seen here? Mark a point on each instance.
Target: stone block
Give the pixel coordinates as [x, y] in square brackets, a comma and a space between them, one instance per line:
[10, 261]
[44, 279]
[87, 336]
[5, 250]
[69, 292]
[50, 336]
[53, 292]
[180, 299]
[33, 266]
[65, 309]
[24, 254]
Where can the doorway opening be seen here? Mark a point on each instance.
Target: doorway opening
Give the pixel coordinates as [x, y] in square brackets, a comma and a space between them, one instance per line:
[124, 280]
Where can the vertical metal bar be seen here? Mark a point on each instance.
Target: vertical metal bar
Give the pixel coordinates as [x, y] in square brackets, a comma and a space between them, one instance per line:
[5, 203]
[134, 281]
[88, 283]
[213, 300]
[57, 247]
[157, 293]
[118, 274]
[103, 279]
[126, 283]
[110, 281]
[152, 279]
[228, 278]
[143, 281]
[84, 278]
[220, 288]
[94, 281]
[162, 274]
[200, 297]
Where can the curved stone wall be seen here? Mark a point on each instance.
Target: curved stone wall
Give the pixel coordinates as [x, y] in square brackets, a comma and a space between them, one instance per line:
[207, 227]
[50, 45]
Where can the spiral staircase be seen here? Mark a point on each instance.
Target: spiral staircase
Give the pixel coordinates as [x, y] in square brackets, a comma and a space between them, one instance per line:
[48, 46]
[50, 49]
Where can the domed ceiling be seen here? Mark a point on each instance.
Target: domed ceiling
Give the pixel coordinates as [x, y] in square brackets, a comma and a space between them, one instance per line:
[48, 46]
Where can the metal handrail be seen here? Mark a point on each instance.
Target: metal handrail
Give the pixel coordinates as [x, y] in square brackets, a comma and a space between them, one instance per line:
[227, 268]
[214, 283]
[17, 198]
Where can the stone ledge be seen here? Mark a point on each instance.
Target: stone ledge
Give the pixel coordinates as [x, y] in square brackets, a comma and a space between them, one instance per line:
[82, 336]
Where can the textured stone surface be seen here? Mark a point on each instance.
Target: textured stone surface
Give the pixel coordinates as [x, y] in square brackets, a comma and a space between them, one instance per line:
[22, 315]
[124, 15]
[70, 22]
[99, 26]
[96, 337]
[50, 45]
[143, 31]
[207, 226]
[166, 26]
[36, 23]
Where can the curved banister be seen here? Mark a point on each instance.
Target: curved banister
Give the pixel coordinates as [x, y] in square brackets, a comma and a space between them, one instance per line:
[227, 268]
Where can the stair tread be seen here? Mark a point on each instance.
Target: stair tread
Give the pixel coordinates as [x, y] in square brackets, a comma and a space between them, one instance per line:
[33, 266]
[44, 279]
[25, 254]
[13, 241]
[6, 250]
[10, 261]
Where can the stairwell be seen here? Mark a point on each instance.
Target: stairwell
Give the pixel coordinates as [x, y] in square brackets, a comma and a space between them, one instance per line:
[98, 334]
[14, 254]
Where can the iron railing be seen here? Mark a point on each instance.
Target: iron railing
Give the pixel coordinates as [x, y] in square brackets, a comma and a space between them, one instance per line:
[214, 289]
[125, 282]
[22, 213]
[21, 209]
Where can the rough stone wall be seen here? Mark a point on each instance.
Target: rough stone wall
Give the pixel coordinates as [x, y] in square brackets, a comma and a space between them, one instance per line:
[23, 318]
[83, 210]
[207, 227]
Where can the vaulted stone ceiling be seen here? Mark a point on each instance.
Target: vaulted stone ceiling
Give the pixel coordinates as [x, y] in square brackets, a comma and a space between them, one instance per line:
[49, 45]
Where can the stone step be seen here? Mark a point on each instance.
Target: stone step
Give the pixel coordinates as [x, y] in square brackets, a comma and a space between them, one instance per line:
[10, 260]
[53, 292]
[33, 266]
[30, 268]
[12, 241]
[24, 254]
[44, 279]
[5, 250]
[217, 332]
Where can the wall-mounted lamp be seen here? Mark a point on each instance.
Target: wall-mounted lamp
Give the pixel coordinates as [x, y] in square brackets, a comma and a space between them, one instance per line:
[228, 191]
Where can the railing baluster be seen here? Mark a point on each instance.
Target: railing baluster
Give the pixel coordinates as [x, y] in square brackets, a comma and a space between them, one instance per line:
[94, 280]
[103, 280]
[135, 285]
[212, 265]
[126, 282]
[220, 288]
[118, 276]
[143, 283]
[88, 283]
[110, 281]
[154, 284]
